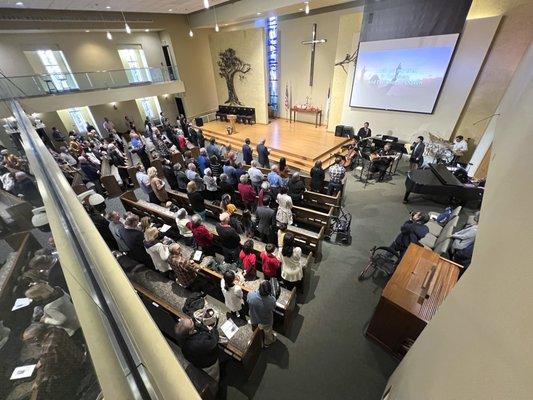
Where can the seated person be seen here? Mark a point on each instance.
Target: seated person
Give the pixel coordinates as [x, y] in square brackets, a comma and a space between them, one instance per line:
[382, 159]
[412, 231]
[465, 237]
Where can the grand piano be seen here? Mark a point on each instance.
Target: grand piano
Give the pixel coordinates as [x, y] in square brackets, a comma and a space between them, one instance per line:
[441, 183]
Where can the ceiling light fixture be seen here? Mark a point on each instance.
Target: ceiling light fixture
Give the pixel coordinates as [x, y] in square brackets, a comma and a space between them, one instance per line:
[306, 7]
[19, 4]
[147, 30]
[109, 35]
[87, 30]
[108, 7]
[126, 26]
[206, 4]
[191, 33]
[170, 10]
[216, 22]
[258, 13]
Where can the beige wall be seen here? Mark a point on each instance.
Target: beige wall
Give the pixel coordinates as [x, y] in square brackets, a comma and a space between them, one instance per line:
[480, 344]
[128, 108]
[469, 55]
[249, 46]
[295, 59]
[514, 35]
[83, 51]
[348, 39]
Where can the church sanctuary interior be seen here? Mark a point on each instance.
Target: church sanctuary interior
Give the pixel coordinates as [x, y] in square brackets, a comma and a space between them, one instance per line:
[250, 199]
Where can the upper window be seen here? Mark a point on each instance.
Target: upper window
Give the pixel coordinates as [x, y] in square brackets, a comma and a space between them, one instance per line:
[59, 75]
[134, 62]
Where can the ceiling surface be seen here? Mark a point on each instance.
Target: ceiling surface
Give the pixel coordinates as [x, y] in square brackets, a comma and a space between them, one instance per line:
[151, 6]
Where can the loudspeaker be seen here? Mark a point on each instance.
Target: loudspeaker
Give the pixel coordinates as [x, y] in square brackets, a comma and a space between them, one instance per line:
[339, 129]
[348, 131]
[199, 121]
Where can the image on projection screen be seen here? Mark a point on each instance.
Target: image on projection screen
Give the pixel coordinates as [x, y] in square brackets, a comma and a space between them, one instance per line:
[402, 74]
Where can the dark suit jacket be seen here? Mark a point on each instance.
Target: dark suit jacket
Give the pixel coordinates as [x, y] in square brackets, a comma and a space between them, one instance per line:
[134, 239]
[364, 134]
[262, 154]
[247, 154]
[417, 153]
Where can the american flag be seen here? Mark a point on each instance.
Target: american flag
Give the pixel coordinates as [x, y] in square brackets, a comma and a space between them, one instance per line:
[287, 96]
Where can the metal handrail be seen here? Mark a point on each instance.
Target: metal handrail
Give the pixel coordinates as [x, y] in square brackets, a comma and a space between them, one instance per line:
[131, 357]
[165, 67]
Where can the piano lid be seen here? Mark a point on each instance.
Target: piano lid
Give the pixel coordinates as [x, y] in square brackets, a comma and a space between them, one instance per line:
[444, 175]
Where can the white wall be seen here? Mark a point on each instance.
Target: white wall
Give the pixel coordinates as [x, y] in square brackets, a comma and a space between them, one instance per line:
[469, 55]
[479, 345]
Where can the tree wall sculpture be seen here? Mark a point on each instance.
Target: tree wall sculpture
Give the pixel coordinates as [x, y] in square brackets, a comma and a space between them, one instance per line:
[230, 65]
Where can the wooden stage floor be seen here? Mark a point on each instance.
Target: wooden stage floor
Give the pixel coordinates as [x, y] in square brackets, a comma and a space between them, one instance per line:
[300, 143]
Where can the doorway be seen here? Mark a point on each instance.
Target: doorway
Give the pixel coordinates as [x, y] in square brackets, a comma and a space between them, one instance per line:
[179, 104]
[168, 62]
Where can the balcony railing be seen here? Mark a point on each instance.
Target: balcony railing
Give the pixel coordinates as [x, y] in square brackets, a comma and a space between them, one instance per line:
[62, 83]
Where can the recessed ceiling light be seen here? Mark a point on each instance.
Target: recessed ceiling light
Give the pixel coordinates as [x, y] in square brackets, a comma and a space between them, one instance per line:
[19, 3]
[147, 30]
[258, 13]
[170, 9]
[301, 9]
[87, 30]
[108, 7]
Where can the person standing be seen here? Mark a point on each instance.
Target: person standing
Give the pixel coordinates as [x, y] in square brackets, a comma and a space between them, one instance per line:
[199, 345]
[248, 260]
[196, 199]
[459, 148]
[262, 304]
[202, 236]
[115, 226]
[158, 186]
[157, 250]
[336, 174]
[318, 175]
[247, 152]
[144, 184]
[292, 263]
[262, 154]
[247, 193]
[284, 213]
[417, 153]
[233, 296]
[265, 220]
[364, 132]
[256, 176]
[183, 223]
[229, 238]
[270, 264]
[109, 127]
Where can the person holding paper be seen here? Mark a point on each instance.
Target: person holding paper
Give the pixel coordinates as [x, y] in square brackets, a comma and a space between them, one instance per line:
[233, 297]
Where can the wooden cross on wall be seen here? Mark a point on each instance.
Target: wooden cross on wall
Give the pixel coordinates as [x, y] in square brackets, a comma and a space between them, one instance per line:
[313, 43]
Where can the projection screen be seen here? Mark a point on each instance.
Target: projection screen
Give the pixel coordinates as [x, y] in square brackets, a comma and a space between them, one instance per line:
[402, 74]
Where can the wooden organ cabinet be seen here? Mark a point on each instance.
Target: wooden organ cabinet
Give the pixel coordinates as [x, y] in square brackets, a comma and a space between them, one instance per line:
[415, 291]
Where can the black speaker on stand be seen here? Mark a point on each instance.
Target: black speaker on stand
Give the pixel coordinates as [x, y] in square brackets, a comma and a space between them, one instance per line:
[339, 129]
[199, 121]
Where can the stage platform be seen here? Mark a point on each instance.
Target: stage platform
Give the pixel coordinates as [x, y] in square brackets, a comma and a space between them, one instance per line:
[300, 143]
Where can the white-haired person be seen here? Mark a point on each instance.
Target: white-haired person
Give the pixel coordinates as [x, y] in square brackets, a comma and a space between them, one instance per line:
[210, 182]
[157, 249]
[247, 192]
[182, 220]
[229, 239]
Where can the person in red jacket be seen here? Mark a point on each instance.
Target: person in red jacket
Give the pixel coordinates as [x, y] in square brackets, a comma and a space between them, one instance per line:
[269, 262]
[247, 193]
[202, 237]
[248, 260]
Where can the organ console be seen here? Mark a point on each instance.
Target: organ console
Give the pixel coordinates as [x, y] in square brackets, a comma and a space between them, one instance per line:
[412, 296]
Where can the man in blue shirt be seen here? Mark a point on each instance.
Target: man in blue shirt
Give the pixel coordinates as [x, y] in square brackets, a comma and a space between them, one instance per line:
[273, 177]
[262, 304]
[212, 149]
[144, 183]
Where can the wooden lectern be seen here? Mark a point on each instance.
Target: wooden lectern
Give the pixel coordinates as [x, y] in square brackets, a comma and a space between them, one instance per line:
[232, 118]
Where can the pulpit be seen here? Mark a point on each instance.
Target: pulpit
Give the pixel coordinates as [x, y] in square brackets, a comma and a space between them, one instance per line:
[232, 118]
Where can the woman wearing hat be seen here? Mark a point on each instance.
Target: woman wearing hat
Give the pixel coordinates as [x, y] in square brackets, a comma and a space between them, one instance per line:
[158, 251]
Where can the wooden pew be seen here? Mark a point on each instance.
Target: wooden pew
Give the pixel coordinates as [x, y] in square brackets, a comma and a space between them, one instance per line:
[165, 294]
[109, 182]
[163, 215]
[15, 211]
[309, 240]
[323, 198]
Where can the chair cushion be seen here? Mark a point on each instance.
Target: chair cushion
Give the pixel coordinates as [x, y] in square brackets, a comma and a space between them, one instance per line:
[428, 240]
[434, 228]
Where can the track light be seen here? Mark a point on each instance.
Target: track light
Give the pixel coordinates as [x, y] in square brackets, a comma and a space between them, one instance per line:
[206, 4]
[216, 28]
[109, 35]
[191, 33]
[306, 7]
[128, 29]
[216, 21]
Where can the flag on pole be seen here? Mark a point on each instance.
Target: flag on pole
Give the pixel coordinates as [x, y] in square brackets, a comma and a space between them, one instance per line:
[287, 96]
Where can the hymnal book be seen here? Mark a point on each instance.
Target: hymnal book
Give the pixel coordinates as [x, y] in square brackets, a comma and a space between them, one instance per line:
[23, 372]
[229, 328]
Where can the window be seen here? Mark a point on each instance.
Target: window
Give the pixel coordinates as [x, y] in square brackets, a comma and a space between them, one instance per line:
[149, 107]
[77, 116]
[134, 62]
[56, 66]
